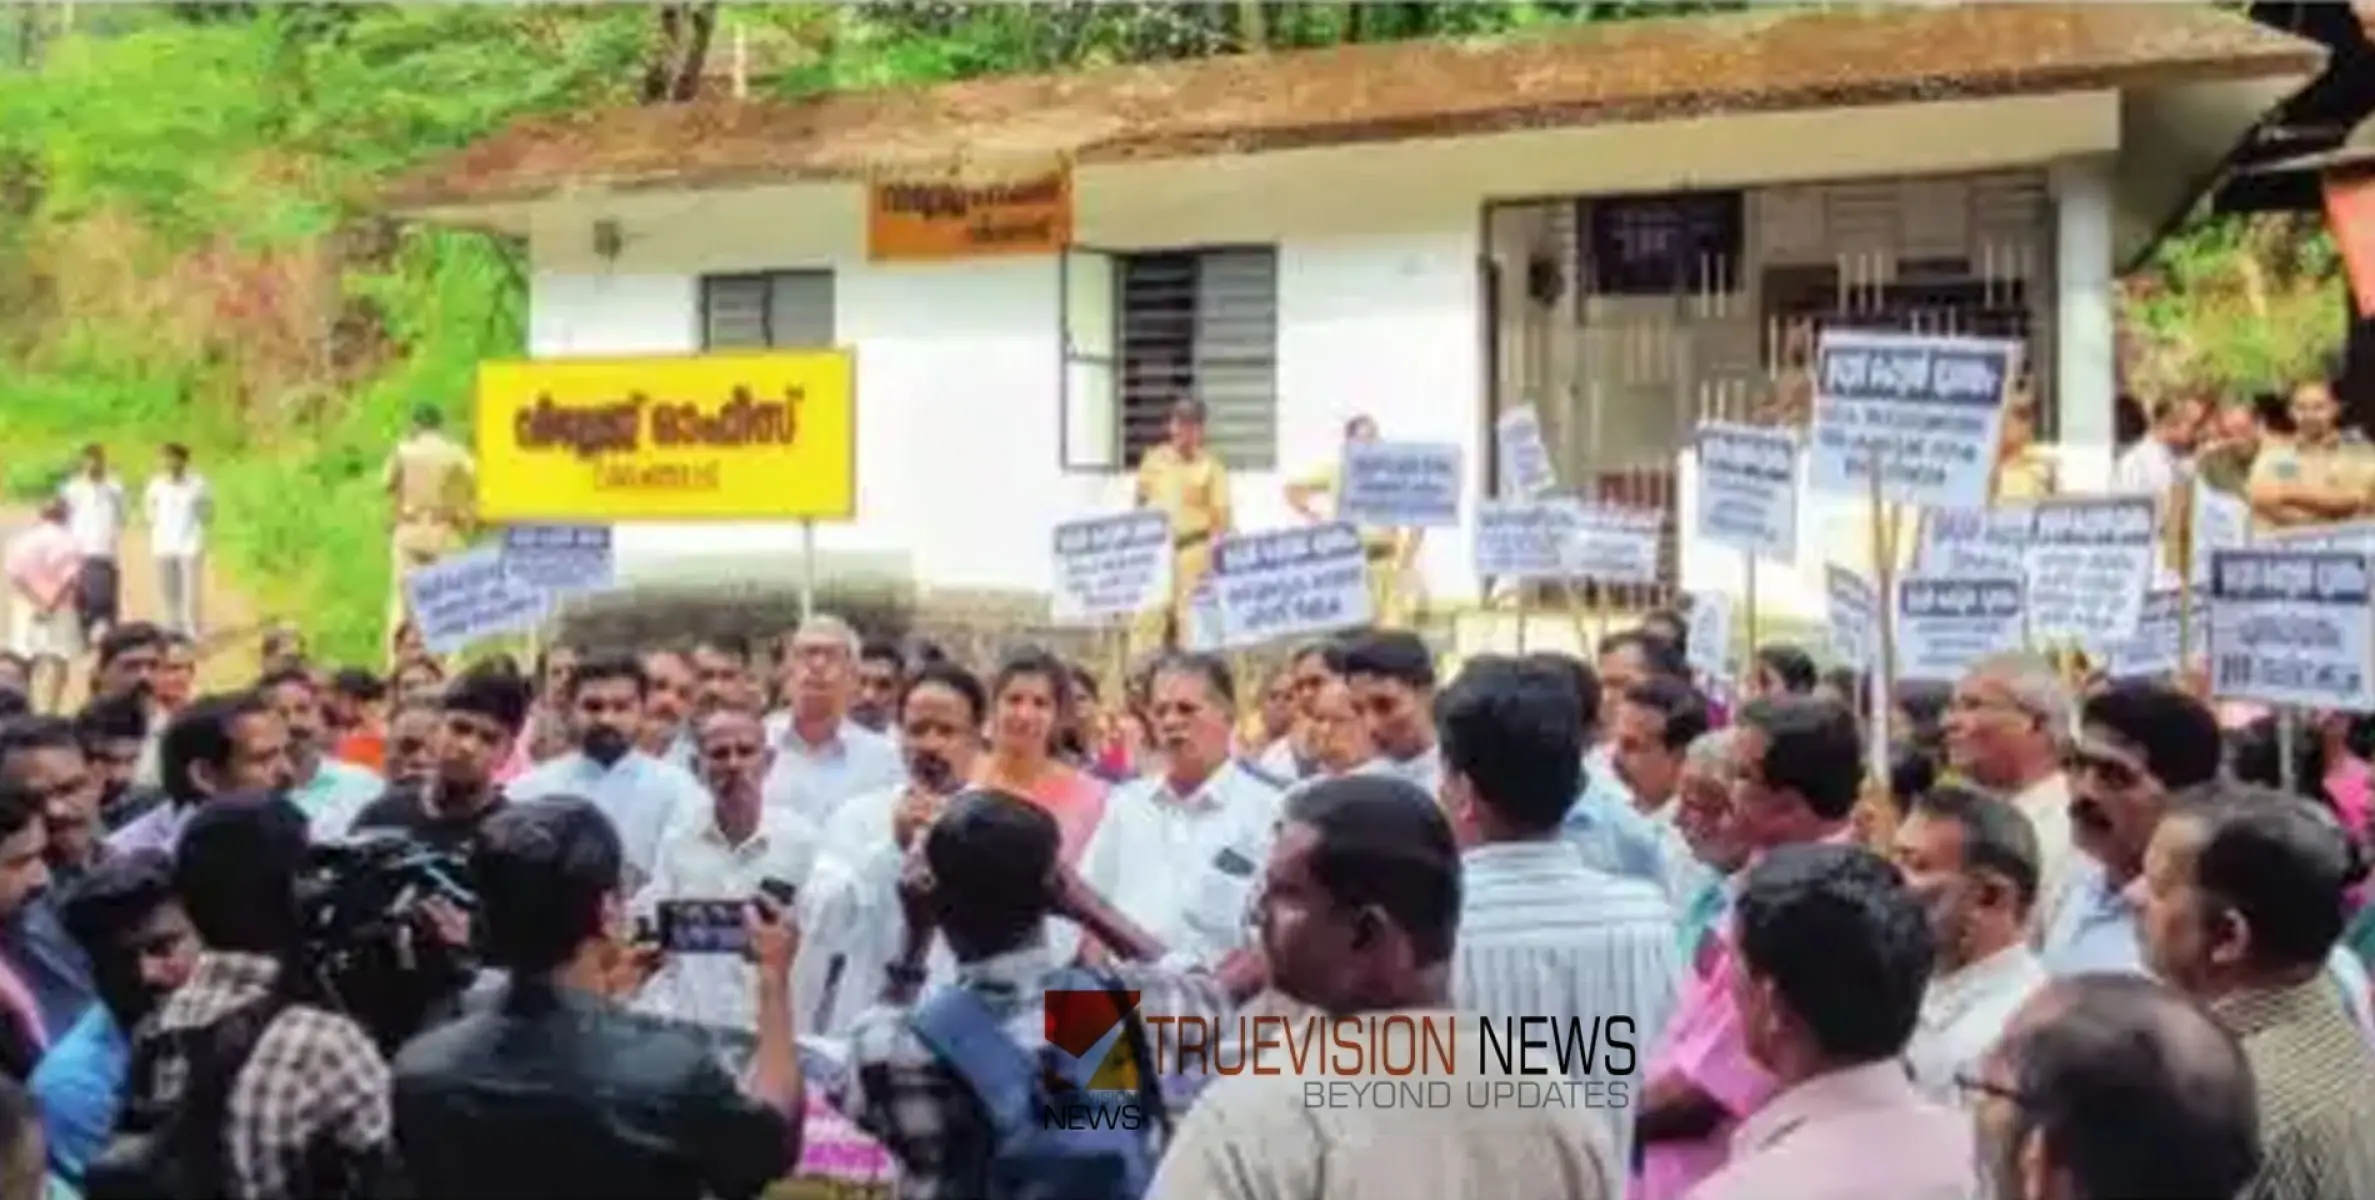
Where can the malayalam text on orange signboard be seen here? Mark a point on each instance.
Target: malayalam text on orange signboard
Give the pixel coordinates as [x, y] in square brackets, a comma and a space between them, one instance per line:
[715, 437]
[926, 221]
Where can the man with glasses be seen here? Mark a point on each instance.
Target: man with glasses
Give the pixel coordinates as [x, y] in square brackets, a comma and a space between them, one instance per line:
[41, 760]
[822, 757]
[44, 756]
[2006, 725]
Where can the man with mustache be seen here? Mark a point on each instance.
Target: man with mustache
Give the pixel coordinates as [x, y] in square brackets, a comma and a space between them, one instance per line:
[2141, 745]
[329, 792]
[641, 795]
[1971, 860]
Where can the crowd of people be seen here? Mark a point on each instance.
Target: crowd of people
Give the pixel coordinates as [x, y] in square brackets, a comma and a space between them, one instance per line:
[2076, 948]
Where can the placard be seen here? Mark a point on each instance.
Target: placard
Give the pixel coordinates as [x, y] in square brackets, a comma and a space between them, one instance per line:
[1709, 636]
[1926, 407]
[1526, 470]
[2219, 522]
[1400, 485]
[1615, 545]
[1854, 610]
[2291, 626]
[2090, 562]
[464, 597]
[564, 560]
[1523, 539]
[1975, 541]
[1945, 625]
[1748, 488]
[1290, 583]
[2154, 650]
[1112, 566]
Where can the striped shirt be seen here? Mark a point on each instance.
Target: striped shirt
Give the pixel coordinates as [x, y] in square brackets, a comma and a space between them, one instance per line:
[1543, 935]
[2316, 1081]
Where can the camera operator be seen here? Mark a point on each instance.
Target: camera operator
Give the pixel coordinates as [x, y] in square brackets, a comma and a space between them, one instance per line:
[481, 714]
[247, 1086]
[644, 1110]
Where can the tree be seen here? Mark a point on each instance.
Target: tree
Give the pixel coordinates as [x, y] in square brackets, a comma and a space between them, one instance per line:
[680, 51]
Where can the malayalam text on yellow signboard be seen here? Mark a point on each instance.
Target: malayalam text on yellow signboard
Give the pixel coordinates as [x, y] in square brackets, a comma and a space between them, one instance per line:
[923, 222]
[717, 437]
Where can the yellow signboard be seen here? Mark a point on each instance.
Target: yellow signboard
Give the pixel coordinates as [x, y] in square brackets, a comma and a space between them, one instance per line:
[717, 437]
[926, 222]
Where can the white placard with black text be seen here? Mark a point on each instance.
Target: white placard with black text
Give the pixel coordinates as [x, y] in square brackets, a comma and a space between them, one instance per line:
[1400, 485]
[1290, 583]
[2292, 626]
[1945, 625]
[1526, 470]
[1925, 407]
[1112, 566]
[1748, 488]
[2091, 560]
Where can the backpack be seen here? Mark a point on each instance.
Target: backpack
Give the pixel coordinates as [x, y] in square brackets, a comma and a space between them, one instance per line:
[176, 1153]
[1100, 1146]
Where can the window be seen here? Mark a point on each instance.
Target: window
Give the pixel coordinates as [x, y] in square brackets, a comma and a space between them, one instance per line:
[776, 310]
[1144, 330]
[1666, 245]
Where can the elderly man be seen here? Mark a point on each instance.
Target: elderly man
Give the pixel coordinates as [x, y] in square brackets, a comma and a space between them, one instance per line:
[822, 756]
[2006, 725]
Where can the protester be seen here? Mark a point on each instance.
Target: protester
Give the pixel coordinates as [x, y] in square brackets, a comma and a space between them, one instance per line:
[1656, 722]
[1798, 765]
[648, 1112]
[1971, 859]
[24, 1025]
[667, 733]
[2240, 906]
[1360, 911]
[1705, 821]
[2112, 1087]
[1834, 956]
[1027, 706]
[1334, 736]
[141, 948]
[1393, 680]
[329, 792]
[882, 671]
[1782, 670]
[822, 757]
[115, 738]
[1207, 816]
[1603, 823]
[218, 745]
[641, 795]
[2006, 726]
[1541, 935]
[411, 742]
[446, 806]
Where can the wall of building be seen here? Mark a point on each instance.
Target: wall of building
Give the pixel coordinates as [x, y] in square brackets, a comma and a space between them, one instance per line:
[1379, 310]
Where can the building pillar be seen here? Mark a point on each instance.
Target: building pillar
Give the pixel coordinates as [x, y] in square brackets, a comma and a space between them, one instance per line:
[2086, 370]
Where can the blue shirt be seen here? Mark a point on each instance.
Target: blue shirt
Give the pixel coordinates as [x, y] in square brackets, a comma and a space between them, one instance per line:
[640, 794]
[1612, 835]
[79, 1085]
[50, 963]
[2095, 930]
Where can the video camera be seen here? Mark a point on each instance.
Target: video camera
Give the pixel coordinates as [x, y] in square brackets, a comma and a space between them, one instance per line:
[369, 938]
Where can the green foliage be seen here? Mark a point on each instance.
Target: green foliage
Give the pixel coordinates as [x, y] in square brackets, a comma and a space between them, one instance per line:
[2239, 305]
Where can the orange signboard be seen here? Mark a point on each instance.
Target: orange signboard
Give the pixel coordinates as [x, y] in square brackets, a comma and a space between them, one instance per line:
[2350, 213]
[931, 221]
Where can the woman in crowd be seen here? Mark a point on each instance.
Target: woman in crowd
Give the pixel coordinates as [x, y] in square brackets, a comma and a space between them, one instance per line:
[1030, 702]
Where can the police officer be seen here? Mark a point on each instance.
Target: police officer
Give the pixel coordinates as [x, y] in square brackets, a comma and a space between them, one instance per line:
[1183, 478]
[2319, 478]
[431, 482]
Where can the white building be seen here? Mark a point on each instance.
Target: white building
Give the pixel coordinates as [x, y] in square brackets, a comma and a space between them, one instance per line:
[1615, 224]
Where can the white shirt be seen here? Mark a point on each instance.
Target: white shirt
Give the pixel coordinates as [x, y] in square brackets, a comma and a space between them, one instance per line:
[178, 513]
[1962, 1015]
[2149, 468]
[644, 798]
[2046, 803]
[1184, 866]
[1424, 770]
[719, 989]
[94, 513]
[816, 780]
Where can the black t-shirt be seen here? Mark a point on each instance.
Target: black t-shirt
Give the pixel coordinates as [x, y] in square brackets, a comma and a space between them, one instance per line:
[402, 807]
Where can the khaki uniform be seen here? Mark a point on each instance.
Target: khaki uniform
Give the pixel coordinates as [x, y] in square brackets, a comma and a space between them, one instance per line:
[2333, 464]
[1389, 600]
[433, 484]
[2029, 474]
[1194, 493]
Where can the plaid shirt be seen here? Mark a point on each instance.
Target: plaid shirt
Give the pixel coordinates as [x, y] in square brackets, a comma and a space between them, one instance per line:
[898, 1091]
[2316, 1081]
[314, 1085]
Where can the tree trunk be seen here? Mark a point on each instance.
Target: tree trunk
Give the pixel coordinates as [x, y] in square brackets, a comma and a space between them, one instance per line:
[1253, 27]
[693, 61]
